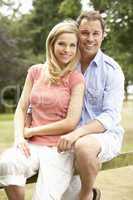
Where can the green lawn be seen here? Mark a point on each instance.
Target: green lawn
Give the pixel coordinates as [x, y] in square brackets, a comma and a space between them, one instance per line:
[6, 139]
[6, 128]
[127, 118]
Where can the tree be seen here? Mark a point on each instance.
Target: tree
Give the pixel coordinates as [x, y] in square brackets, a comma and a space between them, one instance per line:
[13, 58]
[45, 14]
[8, 51]
[22, 39]
[5, 2]
[119, 40]
[70, 8]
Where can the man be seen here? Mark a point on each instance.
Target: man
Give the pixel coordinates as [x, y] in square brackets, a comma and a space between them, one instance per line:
[100, 135]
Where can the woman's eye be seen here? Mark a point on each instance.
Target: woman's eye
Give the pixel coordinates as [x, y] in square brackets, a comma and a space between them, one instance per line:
[73, 45]
[61, 44]
[84, 33]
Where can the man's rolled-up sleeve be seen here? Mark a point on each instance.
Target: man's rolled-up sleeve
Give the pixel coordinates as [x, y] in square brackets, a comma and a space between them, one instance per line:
[112, 99]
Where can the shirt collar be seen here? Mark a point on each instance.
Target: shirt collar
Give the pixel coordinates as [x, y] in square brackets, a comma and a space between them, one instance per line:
[97, 59]
[95, 62]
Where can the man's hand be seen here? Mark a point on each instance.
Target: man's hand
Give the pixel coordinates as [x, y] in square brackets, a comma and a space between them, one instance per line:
[66, 142]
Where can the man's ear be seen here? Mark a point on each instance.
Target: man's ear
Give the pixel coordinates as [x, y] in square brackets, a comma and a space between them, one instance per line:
[104, 35]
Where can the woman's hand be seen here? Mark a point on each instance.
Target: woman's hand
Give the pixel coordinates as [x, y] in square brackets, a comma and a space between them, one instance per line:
[66, 142]
[27, 132]
[23, 146]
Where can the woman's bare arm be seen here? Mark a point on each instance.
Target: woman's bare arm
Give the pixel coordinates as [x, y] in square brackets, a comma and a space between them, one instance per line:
[20, 113]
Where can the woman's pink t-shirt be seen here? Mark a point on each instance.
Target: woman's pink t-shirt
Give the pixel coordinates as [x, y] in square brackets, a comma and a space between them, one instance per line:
[50, 102]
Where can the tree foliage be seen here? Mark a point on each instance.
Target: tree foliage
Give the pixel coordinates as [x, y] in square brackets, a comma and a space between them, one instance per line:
[69, 8]
[22, 39]
[45, 14]
[119, 40]
[8, 52]
[5, 2]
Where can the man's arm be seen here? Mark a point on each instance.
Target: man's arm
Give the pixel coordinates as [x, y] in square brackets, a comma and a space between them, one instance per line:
[112, 99]
[110, 115]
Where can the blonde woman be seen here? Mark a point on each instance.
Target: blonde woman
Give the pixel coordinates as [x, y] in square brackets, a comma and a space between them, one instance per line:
[55, 92]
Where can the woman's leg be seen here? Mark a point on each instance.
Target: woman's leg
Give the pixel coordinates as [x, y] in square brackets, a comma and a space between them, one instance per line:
[55, 173]
[15, 192]
[15, 167]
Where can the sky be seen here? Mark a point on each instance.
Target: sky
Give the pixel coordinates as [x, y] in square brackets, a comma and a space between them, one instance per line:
[85, 6]
[26, 6]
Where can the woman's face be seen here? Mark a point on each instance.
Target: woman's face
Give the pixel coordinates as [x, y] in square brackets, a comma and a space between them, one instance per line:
[65, 48]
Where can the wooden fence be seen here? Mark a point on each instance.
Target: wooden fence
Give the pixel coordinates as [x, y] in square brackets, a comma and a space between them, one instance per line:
[122, 160]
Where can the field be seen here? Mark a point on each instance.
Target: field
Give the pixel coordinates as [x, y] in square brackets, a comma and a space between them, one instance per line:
[115, 184]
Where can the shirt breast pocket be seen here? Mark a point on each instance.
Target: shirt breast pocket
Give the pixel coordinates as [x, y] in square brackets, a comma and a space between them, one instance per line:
[94, 97]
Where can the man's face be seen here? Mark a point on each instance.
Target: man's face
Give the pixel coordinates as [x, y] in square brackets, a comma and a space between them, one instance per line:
[91, 36]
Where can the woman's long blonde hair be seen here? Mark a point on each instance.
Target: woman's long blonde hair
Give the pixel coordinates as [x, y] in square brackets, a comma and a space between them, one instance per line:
[55, 72]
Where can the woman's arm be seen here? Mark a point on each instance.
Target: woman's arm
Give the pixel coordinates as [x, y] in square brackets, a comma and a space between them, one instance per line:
[20, 113]
[65, 125]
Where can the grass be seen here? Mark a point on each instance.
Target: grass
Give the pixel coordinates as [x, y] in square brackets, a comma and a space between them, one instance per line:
[6, 129]
[6, 139]
[6, 117]
[127, 117]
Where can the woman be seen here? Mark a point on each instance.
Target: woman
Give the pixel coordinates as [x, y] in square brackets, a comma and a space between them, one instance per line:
[55, 92]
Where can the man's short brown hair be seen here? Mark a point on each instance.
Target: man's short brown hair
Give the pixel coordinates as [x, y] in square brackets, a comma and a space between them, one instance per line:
[91, 16]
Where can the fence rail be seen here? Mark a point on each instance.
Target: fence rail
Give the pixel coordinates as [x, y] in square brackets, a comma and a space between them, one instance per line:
[122, 160]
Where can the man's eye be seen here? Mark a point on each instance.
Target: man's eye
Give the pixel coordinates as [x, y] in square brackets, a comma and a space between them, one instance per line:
[96, 33]
[85, 34]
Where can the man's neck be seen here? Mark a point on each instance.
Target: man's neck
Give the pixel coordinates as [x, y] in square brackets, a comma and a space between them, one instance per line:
[84, 66]
[85, 61]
